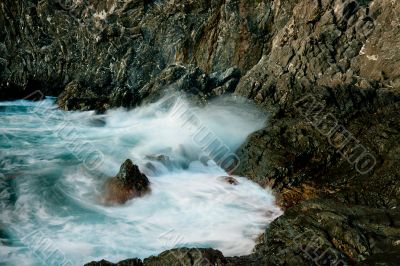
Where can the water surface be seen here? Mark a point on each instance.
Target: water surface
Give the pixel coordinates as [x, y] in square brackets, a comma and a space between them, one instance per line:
[53, 165]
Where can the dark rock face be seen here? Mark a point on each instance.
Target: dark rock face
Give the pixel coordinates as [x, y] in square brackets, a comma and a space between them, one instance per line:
[191, 80]
[128, 262]
[334, 52]
[127, 184]
[342, 53]
[389, 258]
[186, 256]
[174, 257]
[322, 231]
[130, 176]
[112, 49]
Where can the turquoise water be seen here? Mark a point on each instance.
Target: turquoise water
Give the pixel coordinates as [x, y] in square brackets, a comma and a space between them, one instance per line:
[53, 165]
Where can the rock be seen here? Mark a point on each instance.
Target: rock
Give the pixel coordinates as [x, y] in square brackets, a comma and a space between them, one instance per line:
[229, 179]
[189, 79]
[188, 256]
[128, 262]
[159, 158]
[389, 258]
[77, 97]
[115, 49]
[163, 159]
[124, 97]
[130, 176]
[192, 80]
[174, 257]
[329, 233]
[218, 78]
[127, 184]
[228, 87]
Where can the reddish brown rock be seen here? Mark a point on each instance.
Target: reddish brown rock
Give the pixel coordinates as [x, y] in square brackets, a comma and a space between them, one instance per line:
[127, 184]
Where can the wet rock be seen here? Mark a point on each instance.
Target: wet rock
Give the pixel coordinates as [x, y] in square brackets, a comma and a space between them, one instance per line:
[175, 257]
[124, 97]
[228, 87]
[159, 158]
[128, 262]
[130, 176]
[163, 159]
[122, 45]
[151, 169]
[189, 79]
[329, 233]
[77, 97]
[291, 154]
[187, 256]
[127, 184]
[219, 78]
[389, 258]
[97, 122]
[230, 180]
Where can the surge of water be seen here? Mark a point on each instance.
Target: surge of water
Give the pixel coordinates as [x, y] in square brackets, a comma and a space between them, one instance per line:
[53, 165]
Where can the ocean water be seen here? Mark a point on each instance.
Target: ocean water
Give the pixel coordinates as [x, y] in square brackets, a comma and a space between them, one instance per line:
[53, 165]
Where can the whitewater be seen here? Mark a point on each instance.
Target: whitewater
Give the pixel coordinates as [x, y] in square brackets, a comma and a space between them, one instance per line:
[53, 165]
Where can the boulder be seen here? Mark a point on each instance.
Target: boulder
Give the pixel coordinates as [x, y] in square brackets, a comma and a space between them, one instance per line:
[127, 184]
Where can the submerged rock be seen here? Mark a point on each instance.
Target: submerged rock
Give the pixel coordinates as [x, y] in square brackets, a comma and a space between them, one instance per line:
[127, 184]
[229, 179]
[164, 159]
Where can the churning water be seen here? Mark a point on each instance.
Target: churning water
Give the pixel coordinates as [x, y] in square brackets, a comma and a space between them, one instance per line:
[53, 165]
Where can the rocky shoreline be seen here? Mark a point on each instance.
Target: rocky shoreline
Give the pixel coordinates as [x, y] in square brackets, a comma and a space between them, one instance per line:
[327, 72]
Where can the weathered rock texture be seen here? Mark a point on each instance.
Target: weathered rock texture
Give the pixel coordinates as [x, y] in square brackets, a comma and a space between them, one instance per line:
[343, 54]
[174, 257]
[109, 50]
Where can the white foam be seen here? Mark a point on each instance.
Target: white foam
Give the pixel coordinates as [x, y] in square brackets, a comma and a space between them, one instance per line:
[189, 204]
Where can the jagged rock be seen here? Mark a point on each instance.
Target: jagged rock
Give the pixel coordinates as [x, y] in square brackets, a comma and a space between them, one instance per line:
[122, 45]
[389, 258]
[174, 257]
[77, 97]
[327, 232]
[192, 80]
[335, 52]
[187, 256]
[217, 79]
[130, 176]
[128, 262]
[127, 184]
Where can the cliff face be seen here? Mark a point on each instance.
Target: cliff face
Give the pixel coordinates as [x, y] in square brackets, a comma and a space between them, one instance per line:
[327, 71]
[331, 83]
[111, 49]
